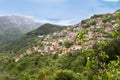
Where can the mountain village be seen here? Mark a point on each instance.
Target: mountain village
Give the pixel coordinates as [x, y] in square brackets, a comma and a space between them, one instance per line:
[54, 43]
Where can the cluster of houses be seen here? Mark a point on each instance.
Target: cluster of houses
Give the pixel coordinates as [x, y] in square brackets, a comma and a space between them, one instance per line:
[54, 43]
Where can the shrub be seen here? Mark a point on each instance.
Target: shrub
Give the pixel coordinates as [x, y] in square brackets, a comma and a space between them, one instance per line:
[68, 44]
[65, 75]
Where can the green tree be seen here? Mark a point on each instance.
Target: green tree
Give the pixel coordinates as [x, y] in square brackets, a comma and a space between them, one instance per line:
[68, 44]
[80, 37]
[118, 17]
[65, 75]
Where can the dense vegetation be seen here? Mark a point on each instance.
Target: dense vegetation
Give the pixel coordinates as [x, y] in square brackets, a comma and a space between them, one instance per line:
[79, 65]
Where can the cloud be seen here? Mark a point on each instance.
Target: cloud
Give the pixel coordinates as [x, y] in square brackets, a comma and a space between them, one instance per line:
[60, 22]
[112, 0]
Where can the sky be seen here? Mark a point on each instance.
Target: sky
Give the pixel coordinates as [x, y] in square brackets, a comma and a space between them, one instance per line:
[63, 12]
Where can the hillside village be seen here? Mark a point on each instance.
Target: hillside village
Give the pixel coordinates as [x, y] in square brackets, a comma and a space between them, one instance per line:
[98, 27]
[60, 40]
[86, 51]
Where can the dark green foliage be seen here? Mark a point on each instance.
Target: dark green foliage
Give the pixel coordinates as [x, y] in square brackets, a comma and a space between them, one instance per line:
[74, 61]
[93, 23]
[97, 16]
[118, 17]
[108, 19]
[113, 49]
[86, 25]
[45, 29]
[65, 75]
[118, 14]
[83, 21]
[39, 67]
[68, 44]
[60, 43]
[44, 74]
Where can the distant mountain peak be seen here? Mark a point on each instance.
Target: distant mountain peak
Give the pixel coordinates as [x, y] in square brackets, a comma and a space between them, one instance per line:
[13, 26]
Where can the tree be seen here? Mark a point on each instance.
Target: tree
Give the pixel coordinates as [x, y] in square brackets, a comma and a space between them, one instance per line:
[118, 17]
[80, 37]
[65, 75]
[68, 44]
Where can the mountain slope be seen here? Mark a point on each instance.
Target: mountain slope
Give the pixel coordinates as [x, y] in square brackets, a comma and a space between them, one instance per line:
[86, 51]
[12, 27]
[30, 37]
